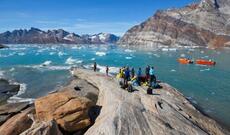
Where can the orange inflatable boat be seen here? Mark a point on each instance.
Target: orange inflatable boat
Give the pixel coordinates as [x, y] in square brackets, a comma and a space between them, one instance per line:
[205, 62]
[185, 61]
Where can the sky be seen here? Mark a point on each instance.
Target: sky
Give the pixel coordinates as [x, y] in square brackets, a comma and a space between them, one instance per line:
[80, 16]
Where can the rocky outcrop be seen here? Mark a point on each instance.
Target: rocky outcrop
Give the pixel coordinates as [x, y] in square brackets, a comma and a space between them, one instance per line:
[68, 109]
[18, 123]
[204, 24]
[165, 112]
[37, 36]
[7, 90]
[43, 128]
[2, 46]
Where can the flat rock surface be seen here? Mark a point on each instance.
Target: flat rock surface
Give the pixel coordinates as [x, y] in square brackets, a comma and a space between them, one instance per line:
[165, 112]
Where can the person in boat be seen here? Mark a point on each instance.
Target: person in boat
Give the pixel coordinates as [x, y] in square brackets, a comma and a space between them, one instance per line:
[147, 69]
[107, 70]
[95, 67]
[152, 77]
[139, 76]
[127, 76]
[132, 72]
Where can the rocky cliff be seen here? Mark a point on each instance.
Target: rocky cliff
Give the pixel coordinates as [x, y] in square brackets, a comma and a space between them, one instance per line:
[203, 24]
[37, 36]
[166, 112]
[94, 104]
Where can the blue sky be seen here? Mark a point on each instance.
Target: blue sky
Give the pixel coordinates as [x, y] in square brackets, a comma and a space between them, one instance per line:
[80, 16]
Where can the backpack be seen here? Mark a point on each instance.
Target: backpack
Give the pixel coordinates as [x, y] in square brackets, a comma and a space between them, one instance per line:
[149, 91]
[130, 88]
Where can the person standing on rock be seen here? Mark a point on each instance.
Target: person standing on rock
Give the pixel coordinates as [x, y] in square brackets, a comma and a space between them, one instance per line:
[147, 72]
[132, 72]
[127, 76]
[152, 76]
[139, 76]
[95, 67]
[107, 70]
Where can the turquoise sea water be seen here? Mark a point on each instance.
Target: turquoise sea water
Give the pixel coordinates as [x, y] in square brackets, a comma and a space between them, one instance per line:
[43, 68]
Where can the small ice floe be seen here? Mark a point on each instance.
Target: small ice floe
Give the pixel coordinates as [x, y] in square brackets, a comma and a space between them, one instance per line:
[156, 55]
[51, 53]
[12, 69]
[46, 63]
[129, 50]
[207, 69]
[182, 55]
[61, 54]
[172, 49]
[213, 93]
[77, 47]
[70, 61]
[165, 49]
[173, 70]
[93, 59]
[128, 58]
[21, 54]
[100, 53]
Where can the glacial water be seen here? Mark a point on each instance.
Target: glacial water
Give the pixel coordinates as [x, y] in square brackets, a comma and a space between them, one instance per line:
[41, 69]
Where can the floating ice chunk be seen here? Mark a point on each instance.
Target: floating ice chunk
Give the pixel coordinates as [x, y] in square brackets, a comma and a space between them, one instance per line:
[100, 53]
[182, 55]
[46, 63]
[129, 50]
[202, 70]
[128, 58]
[165, 49]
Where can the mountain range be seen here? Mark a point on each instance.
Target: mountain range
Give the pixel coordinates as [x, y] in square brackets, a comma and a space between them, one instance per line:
[37, 36]
[206, 23]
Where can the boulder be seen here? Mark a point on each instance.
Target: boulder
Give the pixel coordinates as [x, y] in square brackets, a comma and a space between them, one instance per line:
[10, 109]
[18, 123]
[6, 87]
[43, 128]
[69, 110]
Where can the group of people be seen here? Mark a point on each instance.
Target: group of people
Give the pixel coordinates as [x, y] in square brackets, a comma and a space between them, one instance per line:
[138, 78]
